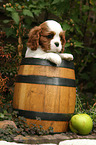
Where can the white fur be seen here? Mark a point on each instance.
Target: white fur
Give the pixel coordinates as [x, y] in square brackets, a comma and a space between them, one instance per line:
[56, 27]
[53, 54]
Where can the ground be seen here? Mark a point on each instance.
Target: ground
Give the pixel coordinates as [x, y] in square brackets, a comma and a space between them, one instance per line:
[55, 138]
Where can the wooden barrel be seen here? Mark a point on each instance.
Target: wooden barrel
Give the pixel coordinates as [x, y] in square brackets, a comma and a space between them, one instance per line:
[45, 93]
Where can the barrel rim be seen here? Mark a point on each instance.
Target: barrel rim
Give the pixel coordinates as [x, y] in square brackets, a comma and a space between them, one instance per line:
[44, 62]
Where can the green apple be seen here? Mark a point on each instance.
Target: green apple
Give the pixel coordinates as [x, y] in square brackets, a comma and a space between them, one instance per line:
[81, 124]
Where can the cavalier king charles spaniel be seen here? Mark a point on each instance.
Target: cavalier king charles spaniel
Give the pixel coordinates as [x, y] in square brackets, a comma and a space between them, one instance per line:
[47, 41]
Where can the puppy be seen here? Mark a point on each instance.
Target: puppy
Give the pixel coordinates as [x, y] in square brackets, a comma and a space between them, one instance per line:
[47, 41]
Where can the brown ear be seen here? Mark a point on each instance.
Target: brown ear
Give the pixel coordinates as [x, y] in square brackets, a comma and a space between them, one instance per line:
[63, 40]
[33, 41]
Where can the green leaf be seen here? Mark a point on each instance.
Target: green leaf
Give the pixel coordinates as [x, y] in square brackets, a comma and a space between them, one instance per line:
[37, 12]
[77, 51]
[15, 17]
[85, 76]
[28, 21]
[55, 1]
[5, 112]
[6, 21]
[90, 85]
[1, 115]
[85, 8]
[78, 30]
[66, 27]
[27, 13]
[78, 44]
[9, 31]
[32, 6]
[10, 9]
[67, 45]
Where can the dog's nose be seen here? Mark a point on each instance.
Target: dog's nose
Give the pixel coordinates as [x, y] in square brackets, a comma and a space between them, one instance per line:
[57, 44]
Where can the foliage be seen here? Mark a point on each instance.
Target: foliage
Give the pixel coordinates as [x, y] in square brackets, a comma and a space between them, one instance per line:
[16, 13]
[78, 19]
[10, 132]
[80, 28]
[79, 108]
[5, 116]
[9, 62]
[21, 15]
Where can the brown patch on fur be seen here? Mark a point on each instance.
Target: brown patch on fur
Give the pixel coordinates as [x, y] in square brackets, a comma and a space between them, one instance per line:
[33, 41]
[63, 41]
[38, 36]
[44, 41]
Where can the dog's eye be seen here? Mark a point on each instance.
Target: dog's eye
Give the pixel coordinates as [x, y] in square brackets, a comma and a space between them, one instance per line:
[50, 36]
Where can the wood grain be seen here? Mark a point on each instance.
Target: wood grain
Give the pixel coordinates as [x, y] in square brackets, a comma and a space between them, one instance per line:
[49, 71]
[45, 98]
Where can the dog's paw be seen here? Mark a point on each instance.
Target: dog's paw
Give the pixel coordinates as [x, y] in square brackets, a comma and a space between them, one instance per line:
[66, 56]
[55, 58]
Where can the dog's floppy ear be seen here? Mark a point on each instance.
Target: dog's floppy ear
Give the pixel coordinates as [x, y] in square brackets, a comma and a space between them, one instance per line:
[33, 41]
[63, 40]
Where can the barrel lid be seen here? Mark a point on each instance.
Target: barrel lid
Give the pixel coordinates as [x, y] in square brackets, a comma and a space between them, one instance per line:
[44, 62]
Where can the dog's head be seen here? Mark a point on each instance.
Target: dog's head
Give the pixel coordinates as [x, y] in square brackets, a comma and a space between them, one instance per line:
[49, 36]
